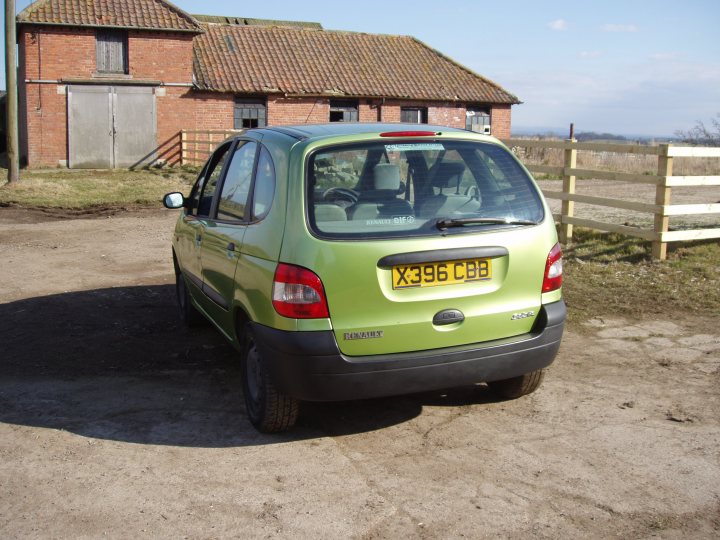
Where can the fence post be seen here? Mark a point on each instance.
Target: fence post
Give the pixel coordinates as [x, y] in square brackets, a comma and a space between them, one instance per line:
[568, 207]
[662, 198]
[183, 147]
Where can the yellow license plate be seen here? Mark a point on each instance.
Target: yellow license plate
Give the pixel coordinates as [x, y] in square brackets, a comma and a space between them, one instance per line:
[440, 273]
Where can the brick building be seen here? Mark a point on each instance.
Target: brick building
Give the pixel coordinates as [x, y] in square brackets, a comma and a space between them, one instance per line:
[111, 83]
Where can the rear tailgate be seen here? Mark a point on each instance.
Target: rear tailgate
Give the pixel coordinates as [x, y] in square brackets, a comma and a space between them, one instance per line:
[370, 317]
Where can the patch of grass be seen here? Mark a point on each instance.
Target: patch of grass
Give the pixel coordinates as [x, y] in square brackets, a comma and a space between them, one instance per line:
[610, 274]
[83, 189]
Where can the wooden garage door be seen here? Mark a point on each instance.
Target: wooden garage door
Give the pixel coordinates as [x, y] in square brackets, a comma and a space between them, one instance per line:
[111, 127]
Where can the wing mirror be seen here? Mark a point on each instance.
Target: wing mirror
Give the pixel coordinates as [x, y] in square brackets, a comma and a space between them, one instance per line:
[174, 200]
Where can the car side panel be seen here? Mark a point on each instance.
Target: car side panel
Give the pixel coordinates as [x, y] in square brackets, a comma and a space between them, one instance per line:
[220, 253]
[188, 238]
[260, 249]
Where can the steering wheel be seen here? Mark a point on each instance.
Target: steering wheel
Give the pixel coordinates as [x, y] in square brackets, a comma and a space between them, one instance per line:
[341, 195]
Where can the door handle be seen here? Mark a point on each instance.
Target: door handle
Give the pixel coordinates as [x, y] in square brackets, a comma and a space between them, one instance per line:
[231, 246]
[198, 239]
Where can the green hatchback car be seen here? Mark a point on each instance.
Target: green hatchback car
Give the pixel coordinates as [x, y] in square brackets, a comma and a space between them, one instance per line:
[349, 261]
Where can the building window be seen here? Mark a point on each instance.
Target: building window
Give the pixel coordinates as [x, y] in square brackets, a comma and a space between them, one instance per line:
[111, 48]
[478, 119]
[414, 115]
[343, 110]
[250, 113]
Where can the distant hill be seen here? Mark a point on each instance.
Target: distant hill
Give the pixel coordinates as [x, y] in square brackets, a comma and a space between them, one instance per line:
[588, 136]
[593, 136]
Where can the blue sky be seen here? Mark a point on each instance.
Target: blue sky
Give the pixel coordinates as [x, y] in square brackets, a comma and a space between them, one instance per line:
[619, 66]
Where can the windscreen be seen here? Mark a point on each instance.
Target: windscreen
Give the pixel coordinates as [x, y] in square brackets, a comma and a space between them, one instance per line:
[379, 189]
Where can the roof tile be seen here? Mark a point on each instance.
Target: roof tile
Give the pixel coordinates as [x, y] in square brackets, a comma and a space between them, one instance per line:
[317, 62]
[146, 14]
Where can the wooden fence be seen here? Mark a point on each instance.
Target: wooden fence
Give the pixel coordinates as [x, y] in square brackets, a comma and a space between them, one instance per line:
[197, 145]
[662, 209]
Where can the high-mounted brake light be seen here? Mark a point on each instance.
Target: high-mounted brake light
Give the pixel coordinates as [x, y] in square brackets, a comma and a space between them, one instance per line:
[298, 293]
[553, 270]
[409, 134]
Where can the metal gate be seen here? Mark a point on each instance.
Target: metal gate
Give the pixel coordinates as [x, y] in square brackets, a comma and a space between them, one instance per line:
[111, 126]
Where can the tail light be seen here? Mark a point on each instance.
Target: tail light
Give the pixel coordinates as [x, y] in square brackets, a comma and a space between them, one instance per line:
[553, 270]
[298, 293]
[409, 134]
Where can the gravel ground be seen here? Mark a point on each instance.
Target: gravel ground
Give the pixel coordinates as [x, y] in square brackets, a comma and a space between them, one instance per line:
[115, 421]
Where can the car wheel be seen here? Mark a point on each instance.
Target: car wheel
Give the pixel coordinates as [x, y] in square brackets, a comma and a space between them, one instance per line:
[268, 409]
[188, 314]
[518, 386]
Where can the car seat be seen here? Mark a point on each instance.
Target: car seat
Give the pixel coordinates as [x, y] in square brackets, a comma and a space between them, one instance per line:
[447, 199]
[382, 201]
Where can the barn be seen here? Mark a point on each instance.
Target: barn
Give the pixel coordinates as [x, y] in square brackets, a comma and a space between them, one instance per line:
[113, 83]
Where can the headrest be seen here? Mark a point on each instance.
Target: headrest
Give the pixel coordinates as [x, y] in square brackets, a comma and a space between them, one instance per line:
[448, 174]
[387, 177]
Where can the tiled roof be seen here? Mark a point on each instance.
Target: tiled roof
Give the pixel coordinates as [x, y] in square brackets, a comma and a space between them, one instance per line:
[272, 59]
[144, 14]
[246, 21]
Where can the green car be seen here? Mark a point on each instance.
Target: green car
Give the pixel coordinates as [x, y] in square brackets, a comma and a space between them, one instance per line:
[349, 261]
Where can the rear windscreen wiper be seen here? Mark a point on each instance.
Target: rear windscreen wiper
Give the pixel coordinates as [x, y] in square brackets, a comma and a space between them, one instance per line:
[443, 224]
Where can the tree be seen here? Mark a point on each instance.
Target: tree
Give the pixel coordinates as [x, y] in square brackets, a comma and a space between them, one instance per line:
[702, 135]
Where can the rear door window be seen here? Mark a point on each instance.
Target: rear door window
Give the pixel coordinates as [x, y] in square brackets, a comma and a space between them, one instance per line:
[202, 196]
[380, 189]
[264, 190]
[238, 180]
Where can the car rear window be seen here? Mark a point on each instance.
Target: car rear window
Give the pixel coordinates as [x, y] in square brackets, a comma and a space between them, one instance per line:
[390, 189]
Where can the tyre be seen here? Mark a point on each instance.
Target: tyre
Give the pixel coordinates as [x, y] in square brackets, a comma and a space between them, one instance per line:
[188, 314]
[268, 409]
[518, 386]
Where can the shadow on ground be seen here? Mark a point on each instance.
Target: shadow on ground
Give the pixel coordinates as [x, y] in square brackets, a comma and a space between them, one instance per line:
[116, 364]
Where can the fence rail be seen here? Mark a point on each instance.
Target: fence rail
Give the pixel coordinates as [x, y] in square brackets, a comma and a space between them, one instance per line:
[197, 145]
[661, 208]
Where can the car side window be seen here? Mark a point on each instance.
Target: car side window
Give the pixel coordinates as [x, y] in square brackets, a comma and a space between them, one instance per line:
[264, 185]
[212, 175]
[236, 188]
[196, 191]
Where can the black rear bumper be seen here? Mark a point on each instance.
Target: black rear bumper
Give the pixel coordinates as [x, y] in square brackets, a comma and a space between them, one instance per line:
[309, 365]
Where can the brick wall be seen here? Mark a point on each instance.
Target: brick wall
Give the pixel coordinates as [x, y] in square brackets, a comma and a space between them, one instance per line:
[500, 121]
[282, 110]
[191, 110]
[390, 112]
[370, 111]
[46, 116]
[52, 53]
[165, 56]
[447, 114]
[48, 55]
[62, 53]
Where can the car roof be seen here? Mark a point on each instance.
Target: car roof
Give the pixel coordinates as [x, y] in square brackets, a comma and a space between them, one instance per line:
[306, 131]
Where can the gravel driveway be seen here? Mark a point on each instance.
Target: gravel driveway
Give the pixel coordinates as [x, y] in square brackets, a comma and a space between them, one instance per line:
[115, 421]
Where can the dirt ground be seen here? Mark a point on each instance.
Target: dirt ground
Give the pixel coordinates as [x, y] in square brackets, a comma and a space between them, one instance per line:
[114, 421]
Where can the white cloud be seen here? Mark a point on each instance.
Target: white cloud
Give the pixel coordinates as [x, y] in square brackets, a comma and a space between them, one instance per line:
[640, 99]
[664, 57]
[619, 28]
[590, 54]
[558, 25]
